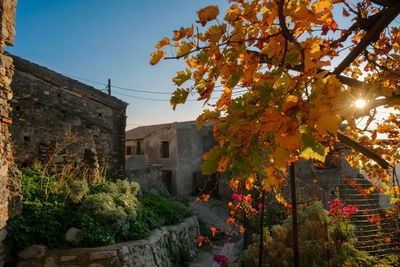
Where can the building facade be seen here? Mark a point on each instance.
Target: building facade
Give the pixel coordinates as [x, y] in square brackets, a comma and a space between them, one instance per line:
[178, 147]
[47, 105]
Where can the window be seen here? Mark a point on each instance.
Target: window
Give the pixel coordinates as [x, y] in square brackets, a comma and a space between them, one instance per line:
[164, 149]
[129, 150]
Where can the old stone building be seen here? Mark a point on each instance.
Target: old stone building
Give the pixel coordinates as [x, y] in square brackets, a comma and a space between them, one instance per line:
[10, 196]
[178, 147]
[47, 104]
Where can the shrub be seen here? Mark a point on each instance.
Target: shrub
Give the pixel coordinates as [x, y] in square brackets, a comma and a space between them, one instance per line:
[78, 189]
[172, 212]
[105, 212]
[314, 242]
[41, 223]
[94, 233]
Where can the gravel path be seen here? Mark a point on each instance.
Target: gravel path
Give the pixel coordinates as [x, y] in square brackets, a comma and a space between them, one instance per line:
[215, 213]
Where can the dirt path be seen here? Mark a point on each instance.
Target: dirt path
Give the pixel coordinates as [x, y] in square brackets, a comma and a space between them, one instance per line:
[215, 213]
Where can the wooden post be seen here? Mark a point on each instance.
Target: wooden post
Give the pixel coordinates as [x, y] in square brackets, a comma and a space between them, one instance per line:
[109, 86]
[294, 216]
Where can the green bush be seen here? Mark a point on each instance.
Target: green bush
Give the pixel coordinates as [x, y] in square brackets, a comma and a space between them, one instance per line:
[41, 223]
[78, 189]
[94, 233]
[172, 212]
[105, 212]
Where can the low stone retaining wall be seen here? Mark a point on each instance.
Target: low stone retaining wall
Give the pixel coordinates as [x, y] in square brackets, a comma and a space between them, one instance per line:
[160, 249]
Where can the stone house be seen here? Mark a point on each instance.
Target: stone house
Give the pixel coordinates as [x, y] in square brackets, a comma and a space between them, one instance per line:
[46, 104]
[178, 147]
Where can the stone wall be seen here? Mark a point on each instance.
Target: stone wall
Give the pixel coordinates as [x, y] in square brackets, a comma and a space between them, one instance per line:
[46, 104]
[9, 177]
[149, 178]
[157, 250]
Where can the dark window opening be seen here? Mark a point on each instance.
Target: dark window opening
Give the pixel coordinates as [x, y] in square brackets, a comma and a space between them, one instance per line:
[167, 179]
[100, 115]
[129, 150]
[164, 149]
[17, 108]
[58, 94]
[26, 138]
[138, 148]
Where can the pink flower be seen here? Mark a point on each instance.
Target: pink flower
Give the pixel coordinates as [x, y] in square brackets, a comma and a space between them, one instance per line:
[221, 260]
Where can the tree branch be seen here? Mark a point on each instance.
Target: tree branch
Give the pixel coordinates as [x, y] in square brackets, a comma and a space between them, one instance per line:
[286, 33]
[363, 150]
[372, 35]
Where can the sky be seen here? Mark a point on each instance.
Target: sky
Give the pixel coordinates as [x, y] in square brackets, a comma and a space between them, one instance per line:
[94, 40]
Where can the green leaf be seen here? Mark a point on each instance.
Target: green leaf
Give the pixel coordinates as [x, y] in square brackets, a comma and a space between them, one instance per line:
[185, 48]
[234, 79]
[182, 77]
[312, 150]
[292, 58]
[179, 97]
[211, 161]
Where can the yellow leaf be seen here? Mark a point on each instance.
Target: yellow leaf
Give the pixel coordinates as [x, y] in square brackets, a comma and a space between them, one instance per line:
[157, 56]
[269, 183]
[162, 43]
[322, 4]
[288, 140]
[206, 14]
[280, 158]
[328, 122]
[308, 153]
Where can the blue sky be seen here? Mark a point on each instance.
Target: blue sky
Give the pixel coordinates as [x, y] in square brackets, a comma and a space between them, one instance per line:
[101, 39]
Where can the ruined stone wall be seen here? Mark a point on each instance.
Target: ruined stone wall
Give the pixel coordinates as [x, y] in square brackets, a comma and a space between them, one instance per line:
[46, 104]
[9, 184]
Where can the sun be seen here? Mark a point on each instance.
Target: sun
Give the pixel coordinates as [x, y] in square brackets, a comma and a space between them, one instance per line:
[360, 103]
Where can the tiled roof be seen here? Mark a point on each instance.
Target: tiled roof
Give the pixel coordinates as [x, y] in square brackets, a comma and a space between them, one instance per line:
[141, 132]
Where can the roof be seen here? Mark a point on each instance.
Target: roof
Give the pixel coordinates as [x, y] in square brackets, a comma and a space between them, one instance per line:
[66, 83]
[141, 132]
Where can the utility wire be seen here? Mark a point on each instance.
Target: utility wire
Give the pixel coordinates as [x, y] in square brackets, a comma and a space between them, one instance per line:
[154, 99]
[137, 90]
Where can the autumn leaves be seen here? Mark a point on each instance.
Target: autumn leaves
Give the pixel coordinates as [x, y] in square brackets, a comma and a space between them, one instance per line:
[277, 101]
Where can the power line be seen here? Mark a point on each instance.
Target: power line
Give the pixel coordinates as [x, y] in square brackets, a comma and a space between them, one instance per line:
[108, 87]
[143, 98]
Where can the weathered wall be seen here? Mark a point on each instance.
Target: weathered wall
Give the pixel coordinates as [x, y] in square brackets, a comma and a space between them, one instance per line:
[152, 149]
[192, 144]
[186, 148]
[46, 103]
[149, 178]
[154, 251]
[9, 177]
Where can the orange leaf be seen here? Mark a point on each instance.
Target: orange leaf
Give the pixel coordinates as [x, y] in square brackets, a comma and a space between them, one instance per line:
[162, 43]
[213, 230]
[205, 197]
[206, 14]
[200, 240]
[242, 229]
[290, 102]
[230, 220]
[388, 240]
[157, 56]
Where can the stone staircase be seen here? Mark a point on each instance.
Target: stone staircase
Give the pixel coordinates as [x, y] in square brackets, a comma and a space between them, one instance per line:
[376, 233]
